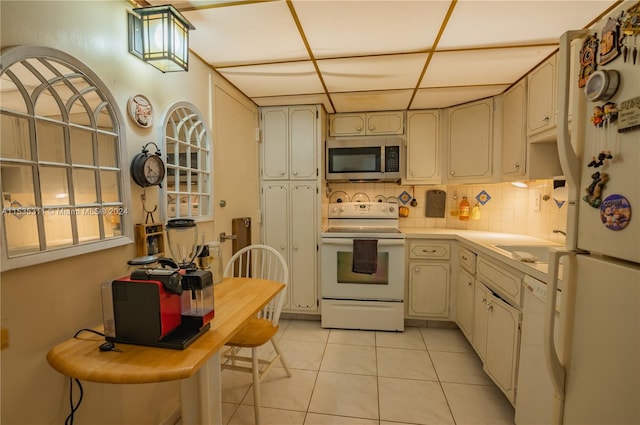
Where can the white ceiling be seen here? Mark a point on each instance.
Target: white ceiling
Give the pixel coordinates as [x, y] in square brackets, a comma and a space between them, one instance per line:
[368, 55]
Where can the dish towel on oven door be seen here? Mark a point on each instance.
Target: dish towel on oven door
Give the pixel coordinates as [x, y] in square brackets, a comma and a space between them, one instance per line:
[365, 256]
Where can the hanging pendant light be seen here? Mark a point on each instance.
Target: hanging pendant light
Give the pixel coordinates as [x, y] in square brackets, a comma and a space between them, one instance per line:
[159, 35]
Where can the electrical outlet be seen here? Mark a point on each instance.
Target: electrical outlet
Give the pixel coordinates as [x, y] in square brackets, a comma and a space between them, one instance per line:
[537, 201]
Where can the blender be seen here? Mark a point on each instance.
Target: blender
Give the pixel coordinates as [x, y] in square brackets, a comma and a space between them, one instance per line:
[197, 285]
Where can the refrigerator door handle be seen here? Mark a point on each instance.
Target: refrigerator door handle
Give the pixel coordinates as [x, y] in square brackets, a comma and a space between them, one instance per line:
[556, 370]
[568, 156]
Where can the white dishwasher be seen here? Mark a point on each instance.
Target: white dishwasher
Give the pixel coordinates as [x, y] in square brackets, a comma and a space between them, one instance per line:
[535, 397]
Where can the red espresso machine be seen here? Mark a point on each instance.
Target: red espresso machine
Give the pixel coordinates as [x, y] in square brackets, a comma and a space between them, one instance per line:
[161, 303]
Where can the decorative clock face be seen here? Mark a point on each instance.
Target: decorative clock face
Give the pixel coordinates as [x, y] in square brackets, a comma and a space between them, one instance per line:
[147, 169]
[153, 170]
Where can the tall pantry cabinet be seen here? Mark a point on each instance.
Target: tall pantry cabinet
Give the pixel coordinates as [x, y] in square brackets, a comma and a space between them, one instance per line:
[290, 155]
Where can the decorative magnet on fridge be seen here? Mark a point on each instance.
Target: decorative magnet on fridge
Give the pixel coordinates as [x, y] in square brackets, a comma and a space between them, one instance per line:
[594, 191]
[615, 212]
[588, 59]
[610, 41]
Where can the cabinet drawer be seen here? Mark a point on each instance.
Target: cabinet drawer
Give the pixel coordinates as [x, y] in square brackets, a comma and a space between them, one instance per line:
[436, 251]
[467, 260]
[507, 283]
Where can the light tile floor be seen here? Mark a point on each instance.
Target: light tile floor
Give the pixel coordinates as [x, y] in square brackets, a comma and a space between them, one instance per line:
[427, 376]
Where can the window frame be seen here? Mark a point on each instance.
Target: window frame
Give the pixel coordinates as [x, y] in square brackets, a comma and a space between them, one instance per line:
[206, 188]
[15, 54]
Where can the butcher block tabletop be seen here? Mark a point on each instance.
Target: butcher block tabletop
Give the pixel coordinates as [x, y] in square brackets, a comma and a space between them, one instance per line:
[236, 300]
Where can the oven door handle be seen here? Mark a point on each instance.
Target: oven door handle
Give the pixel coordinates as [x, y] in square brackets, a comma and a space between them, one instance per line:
[349, 241]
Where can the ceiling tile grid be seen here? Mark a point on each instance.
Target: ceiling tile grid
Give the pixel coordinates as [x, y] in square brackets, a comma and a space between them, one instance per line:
[370, 55]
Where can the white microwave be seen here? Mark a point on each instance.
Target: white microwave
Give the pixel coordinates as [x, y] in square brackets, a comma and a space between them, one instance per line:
[364, 159]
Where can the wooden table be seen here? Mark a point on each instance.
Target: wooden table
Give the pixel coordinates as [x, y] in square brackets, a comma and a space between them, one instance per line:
[197, 367]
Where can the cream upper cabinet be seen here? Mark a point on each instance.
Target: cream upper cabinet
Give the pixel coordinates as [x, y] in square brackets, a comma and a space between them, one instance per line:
[423, 147]
[366, 123]
[514, 136]
[470, 130]
[290, 143]
[541, 98]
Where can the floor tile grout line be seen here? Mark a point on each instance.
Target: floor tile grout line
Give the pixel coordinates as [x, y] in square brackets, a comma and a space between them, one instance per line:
[439, 380]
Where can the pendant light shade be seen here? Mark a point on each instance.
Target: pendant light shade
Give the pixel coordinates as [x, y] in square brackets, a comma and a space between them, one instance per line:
[159, 35]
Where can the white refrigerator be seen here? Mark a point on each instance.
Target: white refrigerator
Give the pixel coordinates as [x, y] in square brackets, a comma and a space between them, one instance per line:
[596, 375]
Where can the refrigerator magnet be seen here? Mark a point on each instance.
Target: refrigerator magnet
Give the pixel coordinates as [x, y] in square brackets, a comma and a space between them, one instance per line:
[615, 212]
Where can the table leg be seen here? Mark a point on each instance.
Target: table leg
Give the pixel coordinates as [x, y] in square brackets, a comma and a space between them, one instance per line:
[201, 395]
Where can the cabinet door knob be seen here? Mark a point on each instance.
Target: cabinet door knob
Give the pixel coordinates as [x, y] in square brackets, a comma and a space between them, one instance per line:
[517, 165]
[453, 173]
[281, 173]
[490, 307]
[484, 300]
[413, 173]
[358, 129]
[545, 118]
[295, 247]
[465, 258]
[295, 173]
[282, 247]
[469, 283]
[416, 270]
[372, 127]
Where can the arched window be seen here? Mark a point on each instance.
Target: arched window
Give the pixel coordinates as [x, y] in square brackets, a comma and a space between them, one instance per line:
[188, 191]
[63, 188]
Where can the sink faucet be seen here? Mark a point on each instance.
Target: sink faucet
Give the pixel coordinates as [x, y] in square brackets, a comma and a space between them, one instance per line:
[559, 231]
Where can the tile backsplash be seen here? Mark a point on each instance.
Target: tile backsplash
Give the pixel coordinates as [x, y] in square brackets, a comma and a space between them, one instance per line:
[509, 209]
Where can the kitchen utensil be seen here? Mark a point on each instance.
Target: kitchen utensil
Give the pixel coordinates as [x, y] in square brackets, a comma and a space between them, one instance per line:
[182, 238]
[436, 200]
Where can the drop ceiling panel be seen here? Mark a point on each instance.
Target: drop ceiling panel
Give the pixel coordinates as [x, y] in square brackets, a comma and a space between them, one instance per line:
[354, 28]
[372, 101]
[372, 73]
[246, 34]
[303, 99]
[274, 79]
[476, 67]
[491, 23]
[450, 96]
[371, 53]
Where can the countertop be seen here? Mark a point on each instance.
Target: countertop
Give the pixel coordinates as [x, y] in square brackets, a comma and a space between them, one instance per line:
[236, 299]
[483, 243]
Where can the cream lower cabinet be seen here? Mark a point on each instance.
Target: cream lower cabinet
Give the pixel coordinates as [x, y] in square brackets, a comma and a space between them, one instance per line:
[428, 280]
[290, 223]
[465, 291]
[496, 338]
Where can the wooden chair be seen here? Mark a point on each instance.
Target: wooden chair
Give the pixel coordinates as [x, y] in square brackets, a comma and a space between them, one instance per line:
[258, 261]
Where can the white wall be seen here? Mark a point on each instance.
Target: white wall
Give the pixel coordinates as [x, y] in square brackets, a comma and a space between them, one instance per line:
[46, 304]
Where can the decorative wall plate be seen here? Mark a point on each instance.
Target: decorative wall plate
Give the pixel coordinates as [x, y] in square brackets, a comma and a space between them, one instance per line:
[140, 110]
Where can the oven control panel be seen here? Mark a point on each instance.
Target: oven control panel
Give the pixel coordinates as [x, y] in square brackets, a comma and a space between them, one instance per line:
[363, 210]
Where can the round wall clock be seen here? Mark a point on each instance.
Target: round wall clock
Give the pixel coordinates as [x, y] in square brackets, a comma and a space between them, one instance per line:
[148, 169]
[140, 110]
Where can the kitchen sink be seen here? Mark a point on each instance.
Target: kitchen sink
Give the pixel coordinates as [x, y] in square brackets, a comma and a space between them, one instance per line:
[528, 253]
